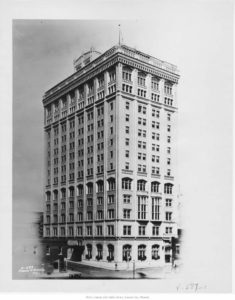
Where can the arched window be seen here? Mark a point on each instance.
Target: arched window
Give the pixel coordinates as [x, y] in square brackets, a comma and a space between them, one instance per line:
[142, 252]
[80, 190]
[155, 250]
[126, 73]
[126, 183]
[63, 193]
[71, 191]
[99, 252]
[141, 184]
[100, 186]
[89, 251]
[55, 195]
[111, 184]
[168, 188]
[141, 78]
[155, 187]
[89, 188]
[126, 253]
[48, 196]
[110, 256]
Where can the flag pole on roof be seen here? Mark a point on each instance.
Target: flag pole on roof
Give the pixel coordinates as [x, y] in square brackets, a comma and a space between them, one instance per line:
[119, 38]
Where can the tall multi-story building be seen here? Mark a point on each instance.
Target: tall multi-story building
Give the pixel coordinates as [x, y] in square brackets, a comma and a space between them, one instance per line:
[110, 159]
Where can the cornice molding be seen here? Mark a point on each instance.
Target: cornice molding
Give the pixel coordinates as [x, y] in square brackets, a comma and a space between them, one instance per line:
[103, 66]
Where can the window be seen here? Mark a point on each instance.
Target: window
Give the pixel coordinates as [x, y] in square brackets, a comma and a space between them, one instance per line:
[142, 207]
[80, 216]
[71, 217]
[48, 219]
[111, 184]
[79, 230]
[127, 142]
[126, 198]
[142, 252]
[168, 230]
[127, 129]
[126, 184]
[142, 230]
[155, 171]
[155, 208]
[99, 230]
[110, 213]
[110, 229]
[127, 166]
[70, 231]
[80, 190]
[100, 215]
[127, 105]
[126, 253]
[90, 188]
[89, 201]
[111, 106]
[126, 213]
[155, 147]
[127, 153]
[168, 202]
[126, 74]
[141, 79]
[155, 187]
[71, 192]
[62, 231]
[126, 230]
[80, 203]
[89, 230]
[155, 250]
[62, 218]
[168, 216]
[55, 233]
[168, 188]
[63, 193]
[155, 230]
[127, 118]
[154, 84]
[110, 199]
[48, 196]
[100, 186]
[168, 89]
[168, 117]
[89, 215]
[141, 185]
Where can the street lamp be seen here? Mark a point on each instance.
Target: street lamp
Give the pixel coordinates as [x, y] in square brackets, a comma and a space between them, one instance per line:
[133, 269]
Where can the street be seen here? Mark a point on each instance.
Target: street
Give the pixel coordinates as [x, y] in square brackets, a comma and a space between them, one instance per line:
[89, 272]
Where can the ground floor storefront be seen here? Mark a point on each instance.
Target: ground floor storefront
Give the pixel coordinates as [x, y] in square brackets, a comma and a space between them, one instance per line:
[111, 254]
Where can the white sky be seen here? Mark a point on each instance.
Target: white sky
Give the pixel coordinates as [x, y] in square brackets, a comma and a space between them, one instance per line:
[194, 35]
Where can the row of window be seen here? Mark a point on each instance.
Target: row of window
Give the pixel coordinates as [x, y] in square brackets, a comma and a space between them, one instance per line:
[127, 230]
[127, 199]
[126, 185]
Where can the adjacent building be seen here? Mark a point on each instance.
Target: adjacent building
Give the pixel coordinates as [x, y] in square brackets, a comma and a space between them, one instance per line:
[110, 159]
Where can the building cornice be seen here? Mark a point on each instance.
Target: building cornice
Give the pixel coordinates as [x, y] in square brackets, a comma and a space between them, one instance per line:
[100, 65]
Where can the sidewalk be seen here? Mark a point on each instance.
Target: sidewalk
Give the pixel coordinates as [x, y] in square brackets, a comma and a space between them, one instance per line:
[99, 273]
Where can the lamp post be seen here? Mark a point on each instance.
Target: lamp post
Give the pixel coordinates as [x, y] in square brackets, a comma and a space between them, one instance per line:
[133, 269]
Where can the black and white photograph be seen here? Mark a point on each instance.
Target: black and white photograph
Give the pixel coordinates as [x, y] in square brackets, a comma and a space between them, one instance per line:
[118, 145]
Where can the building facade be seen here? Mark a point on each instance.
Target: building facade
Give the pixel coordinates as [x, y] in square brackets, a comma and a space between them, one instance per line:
[110, 159]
